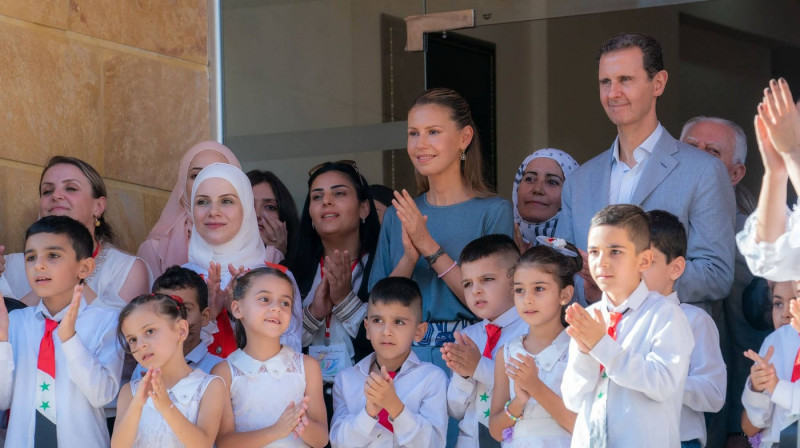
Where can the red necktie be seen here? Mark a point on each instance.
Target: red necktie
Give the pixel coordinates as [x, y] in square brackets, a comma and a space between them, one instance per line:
[796, 368]
[614, 319]
[492, 336]
[383, 415]
[45, 426]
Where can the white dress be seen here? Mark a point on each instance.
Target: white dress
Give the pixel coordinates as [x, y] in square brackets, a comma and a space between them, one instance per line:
[109, 275]
[154, 432]
[260, 391]
[537, 428]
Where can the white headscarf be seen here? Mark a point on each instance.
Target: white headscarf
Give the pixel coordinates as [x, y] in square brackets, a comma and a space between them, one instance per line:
[530, 230]
[245, 248]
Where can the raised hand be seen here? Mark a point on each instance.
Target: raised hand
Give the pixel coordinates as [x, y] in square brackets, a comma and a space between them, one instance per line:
[143, 391]
[66, 328]
[4, 322]
[235, 273]
[337, 272]
[585, 329]
[461, 357]
[410, 252]
[274, 232]
[794, 310]
[781, 117]
[772, 160]
[290, 418]
[525, 373]
[762, 373]
[321, 305]
[380, 391]
[216, 297]
[414, 222]
[158, 392]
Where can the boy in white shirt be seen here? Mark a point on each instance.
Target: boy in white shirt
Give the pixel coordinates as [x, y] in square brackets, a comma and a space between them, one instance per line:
[59, 349]
[192, 289]
[391, 398]
[629, 353]
[707, 381]
[487, 265]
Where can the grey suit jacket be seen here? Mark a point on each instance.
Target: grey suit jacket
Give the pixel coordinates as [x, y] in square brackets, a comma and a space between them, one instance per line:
[678, 178]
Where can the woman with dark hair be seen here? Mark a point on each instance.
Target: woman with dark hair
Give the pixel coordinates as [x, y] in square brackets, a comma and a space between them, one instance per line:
[72, 187]
[336, 247]
[276, 212]
[422, 237]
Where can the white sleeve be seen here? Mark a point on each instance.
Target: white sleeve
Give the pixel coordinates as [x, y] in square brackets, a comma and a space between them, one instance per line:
[580, 378]
[429, 427]
[707, 381]
[758, 406]
[97, 374]
[660, 372]
[6, 374]
[460, 393]
[778, 261]
[350, 427]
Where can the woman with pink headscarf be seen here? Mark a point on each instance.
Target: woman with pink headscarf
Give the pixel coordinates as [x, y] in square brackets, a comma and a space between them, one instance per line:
[168, 242]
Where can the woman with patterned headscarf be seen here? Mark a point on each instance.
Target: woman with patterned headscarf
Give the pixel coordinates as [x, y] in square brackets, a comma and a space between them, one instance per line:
[537, 194]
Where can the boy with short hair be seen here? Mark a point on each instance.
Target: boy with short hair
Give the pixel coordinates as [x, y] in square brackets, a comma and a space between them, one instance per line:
[629, 353]
[193, 291]
[706, 383]
[59, 348]
[487, 266]
[391, 398]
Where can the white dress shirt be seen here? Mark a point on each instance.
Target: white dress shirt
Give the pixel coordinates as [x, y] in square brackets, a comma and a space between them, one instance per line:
[624, 179]
[782, 408]
[421, 387]
[469, 398]
[707, 382]
[647, 367]
[88, 369]
[778, 261]
[197, 358]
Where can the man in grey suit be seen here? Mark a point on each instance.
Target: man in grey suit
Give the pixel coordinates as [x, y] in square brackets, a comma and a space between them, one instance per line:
[647, 167]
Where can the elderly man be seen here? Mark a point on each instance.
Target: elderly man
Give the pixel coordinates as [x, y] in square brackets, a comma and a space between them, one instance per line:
[647, 167]
[726, 141]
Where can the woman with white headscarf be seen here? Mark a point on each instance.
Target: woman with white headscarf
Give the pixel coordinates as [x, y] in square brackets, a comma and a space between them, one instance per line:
[225, 240]
[537, 194]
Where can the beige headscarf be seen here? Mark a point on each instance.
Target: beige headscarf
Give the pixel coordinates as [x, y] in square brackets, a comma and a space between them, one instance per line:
[168, 242]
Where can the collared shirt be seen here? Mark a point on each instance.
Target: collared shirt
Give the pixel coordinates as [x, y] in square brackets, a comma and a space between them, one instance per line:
[624, 179]
[423, 423]
[707, 382]
[463, 400]
[198, 358]
[88, 370]
[647, 367]
[777, 411]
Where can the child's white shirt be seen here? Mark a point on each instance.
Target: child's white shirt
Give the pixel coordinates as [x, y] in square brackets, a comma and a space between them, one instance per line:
[647, 367]
[707, 382]
[88, 370]
[186, 395]
[469, 399]
[421, 387]
[777, 411]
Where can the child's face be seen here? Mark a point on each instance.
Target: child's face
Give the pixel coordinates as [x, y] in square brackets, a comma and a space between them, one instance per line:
[538, 297]
[613, 261]
[487, 287]
[782, 295]
[266, 308]
[51, 266]
[661, 276]
[217, 211]
[153, 338]
[196, 317]
[392, 328]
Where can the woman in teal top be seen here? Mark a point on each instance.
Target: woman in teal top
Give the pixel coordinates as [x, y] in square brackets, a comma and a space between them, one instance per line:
[422, 237]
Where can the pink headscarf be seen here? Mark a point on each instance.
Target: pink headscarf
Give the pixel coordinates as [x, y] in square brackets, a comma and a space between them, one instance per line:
[168, 242]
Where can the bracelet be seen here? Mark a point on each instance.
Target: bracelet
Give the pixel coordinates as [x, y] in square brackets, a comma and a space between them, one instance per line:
[509, 415]
[431, 259]
[455, 263]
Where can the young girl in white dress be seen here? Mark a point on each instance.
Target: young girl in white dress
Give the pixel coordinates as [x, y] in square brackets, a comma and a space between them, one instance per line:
[276, 393]
[173, 405]
[527, 409]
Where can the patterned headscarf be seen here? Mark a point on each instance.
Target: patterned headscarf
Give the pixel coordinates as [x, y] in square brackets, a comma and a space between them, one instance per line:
[530, 230]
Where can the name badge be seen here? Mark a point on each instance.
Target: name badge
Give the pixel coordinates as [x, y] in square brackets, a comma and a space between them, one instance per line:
[332, 358]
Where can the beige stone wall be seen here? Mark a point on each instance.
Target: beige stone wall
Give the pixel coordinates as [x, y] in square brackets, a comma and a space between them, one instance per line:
[121, 84]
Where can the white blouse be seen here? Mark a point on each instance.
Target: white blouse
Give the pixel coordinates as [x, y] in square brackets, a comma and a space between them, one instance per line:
[778, 261]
